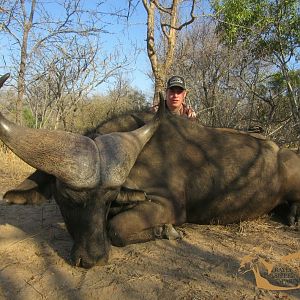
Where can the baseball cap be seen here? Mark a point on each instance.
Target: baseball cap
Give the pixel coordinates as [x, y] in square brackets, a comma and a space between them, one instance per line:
[176, 81]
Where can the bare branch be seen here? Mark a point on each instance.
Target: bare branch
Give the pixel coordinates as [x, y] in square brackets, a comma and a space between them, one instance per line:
[6, 28]
[131, 8]
[66, 31]
[167, 10]
[186, 23]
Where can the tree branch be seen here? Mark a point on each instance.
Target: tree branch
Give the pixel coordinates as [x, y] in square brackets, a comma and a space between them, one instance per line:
[167, 10]
[178, 28]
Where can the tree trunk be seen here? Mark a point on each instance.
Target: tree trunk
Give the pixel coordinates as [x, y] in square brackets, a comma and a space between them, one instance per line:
[21, 80]
[161, 68]
[23, 60]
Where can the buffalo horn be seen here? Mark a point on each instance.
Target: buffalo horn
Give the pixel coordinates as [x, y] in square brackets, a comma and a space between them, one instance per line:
[72, 158]
[119, 150]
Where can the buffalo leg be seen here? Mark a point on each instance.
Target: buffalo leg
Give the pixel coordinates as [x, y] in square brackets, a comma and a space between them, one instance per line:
[166, 231]
[140, 223]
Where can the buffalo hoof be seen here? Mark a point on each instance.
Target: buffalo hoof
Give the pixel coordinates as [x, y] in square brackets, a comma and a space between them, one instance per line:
[167, 231]
[80, 258]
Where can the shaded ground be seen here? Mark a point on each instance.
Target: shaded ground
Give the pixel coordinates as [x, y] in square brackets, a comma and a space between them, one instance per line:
[34, 248]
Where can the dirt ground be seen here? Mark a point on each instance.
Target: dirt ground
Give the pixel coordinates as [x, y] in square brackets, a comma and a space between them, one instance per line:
[34, 259]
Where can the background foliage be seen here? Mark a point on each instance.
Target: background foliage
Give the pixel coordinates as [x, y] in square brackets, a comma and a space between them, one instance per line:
[240, 61]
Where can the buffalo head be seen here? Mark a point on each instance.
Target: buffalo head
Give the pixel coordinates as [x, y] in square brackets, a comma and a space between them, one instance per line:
[88, 175]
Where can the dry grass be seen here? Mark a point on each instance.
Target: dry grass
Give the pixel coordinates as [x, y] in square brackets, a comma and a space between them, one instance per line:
[12, 163]
[13, 169]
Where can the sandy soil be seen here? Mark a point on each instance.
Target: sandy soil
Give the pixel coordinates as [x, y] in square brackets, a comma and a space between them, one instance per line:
[34, 263]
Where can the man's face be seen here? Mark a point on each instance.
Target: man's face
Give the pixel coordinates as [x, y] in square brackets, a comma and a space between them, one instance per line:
[175, 98]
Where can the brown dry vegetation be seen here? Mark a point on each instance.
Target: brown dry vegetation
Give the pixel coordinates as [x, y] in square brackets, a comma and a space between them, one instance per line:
[34, 263]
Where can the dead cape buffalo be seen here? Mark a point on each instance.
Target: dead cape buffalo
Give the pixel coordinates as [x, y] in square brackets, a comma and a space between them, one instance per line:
[171, 171]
